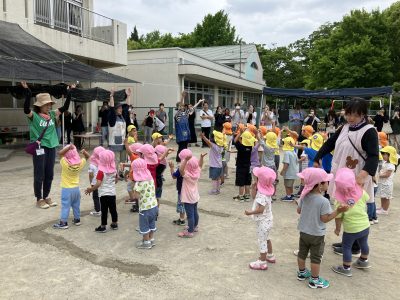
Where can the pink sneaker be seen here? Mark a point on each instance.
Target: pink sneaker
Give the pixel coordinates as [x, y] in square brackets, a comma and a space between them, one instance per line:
[196, 229]
[271, 259]
[185, 234]
[381, 211]
[258, 265]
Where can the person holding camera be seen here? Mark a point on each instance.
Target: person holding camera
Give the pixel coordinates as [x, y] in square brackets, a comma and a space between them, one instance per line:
[312, 120]
[395, 135]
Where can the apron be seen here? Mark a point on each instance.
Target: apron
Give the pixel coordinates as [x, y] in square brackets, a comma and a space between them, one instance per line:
[116, 134]
[346, 156]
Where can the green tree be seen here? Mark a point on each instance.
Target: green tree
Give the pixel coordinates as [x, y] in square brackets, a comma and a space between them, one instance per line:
[134, 35]
[215, 30]
[392, 19]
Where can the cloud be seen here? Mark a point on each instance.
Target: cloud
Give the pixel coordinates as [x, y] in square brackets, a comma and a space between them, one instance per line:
[267, 22]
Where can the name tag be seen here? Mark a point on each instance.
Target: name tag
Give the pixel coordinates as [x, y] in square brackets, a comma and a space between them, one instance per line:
[39, 151]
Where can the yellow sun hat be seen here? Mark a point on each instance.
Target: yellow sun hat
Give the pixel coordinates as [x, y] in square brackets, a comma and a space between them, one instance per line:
[306, 141]
[287, 144]
[218, 138]
[248, 139]
[393, 159]
[156, 135]
[316, 141]
[130, 127]
[271, 140]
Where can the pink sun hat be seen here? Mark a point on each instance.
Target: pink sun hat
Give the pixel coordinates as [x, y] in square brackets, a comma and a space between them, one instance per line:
[149, 154]
[94, 158]
[192, 168]
[185, 153]
[347, 191]
[266, 177]
[160, 150]
[140, 171]
[107, 162]
[72, 156]
[312, 177]
[135, 146]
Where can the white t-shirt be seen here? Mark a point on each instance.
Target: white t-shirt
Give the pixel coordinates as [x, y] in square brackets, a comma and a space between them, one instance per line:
[93, 169]
[266, 202]
[253, 119]
[386, 166]
[107, 187]
[206, 122]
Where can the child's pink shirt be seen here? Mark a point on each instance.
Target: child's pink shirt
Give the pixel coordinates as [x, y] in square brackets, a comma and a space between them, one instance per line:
[190, 191]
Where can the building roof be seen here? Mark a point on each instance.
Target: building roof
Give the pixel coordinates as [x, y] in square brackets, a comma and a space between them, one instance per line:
[224, 53]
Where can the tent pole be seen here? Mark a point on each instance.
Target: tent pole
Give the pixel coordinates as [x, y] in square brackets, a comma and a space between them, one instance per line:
[390, 104]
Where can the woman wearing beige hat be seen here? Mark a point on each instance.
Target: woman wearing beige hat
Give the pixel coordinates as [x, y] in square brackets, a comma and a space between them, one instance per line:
[42, 122]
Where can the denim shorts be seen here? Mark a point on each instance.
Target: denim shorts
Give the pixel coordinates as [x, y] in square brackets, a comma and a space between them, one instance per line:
[180, 208]
[215, 173]
[129, 186]
[147, 220]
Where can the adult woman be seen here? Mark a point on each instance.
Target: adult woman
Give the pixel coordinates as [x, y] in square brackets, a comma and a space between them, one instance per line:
[77, 126]
[341, 119]
[42, 121]
[206, 116]
[219, 118]
[116, 128]
[227, 116]
[380, 118]
[192, 120]
[251, 115]
[312, 120]
[331, 121]
[237, 117]
[395, 135]
[148, 126]
[267, 118]
[296, 119]
[182, 131]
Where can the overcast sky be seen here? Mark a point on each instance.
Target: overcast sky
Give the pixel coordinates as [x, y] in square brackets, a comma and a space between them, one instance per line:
[269, 22]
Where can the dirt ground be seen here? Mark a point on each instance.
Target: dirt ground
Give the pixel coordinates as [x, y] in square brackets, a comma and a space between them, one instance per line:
[38, 262]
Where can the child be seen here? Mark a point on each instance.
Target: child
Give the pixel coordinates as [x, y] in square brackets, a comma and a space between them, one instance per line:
[244, 143]
[158, 139]
[303, 161]
[93, 169]
[71, 167]
[132, 154]
[290, 168]
[148, 209]
[270, 145]
[262, 190]
[355, 220]
[160, 151]
[129, 140]
[227, 130]
[216, 147]
[106, 180]
[385, 185]
[315, 210]
[180, 208]
[190, 169]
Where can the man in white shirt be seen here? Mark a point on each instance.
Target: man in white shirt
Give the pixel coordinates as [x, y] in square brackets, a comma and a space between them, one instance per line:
[206, 116]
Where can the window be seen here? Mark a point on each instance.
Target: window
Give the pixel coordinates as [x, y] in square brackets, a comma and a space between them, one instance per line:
[197, 91]
[254, 65]
[252, 98]
[226, 98]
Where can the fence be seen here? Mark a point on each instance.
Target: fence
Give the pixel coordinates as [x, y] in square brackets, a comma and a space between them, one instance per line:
[75, 19]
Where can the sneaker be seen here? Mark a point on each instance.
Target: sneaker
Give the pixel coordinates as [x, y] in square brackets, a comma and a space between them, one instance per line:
[295, 195]
[153, 243]
[381, 211]
[247, 197]
[185, 234]
[114, 226]
[50, 202]
[129, 201]
[287, 199]
[134, 209]
[60, 226]
[42, 204]
[273, 198]
[179, 222]
[143, 245]
[101, 229]
[77, 222]
[137, 229]
[371, 222]
[342, 271]
[375, 221]
[296, 187]
[95, 213]
[213, 192]
[318, 283]
[271, 258]
[258, 265]
[336, 245]
[239, 198]
[196, 229]
[303, 275]
[361, 264]
[339, 251]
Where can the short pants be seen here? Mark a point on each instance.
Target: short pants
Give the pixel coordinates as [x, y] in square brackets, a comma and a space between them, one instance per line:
[314, 244]
[147, 220]
[215, 173]
[129, 185]
[289, 183]
[243, 176]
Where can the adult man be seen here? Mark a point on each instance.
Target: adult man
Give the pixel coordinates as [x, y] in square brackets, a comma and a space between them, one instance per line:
[206, 116]
[103, 114]
[161, 116]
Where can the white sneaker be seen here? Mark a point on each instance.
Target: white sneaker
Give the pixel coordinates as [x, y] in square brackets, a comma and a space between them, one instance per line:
[371, 223]
[375, 221]
[382, 212]
[95, 213]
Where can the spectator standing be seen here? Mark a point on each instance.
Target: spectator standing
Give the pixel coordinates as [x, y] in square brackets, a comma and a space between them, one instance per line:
[251, 115]
[331, 121]
[380, 118]
[148, 126]
[116, 129]
[219, 119]
[312, 120]
[206, 116]
[342, 118]
[237, 117]
[395, 135]
[227, 116]
[103, 114]
[296, 119]
[192, 120]
[161, 115]
[267, 118]
[77, 126]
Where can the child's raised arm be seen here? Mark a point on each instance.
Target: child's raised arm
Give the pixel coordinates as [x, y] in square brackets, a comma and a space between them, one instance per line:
[64, 150]
[183, 165]
[205, 139]
[171, 168]
[85, 154]
[201, 160]
[166, 153]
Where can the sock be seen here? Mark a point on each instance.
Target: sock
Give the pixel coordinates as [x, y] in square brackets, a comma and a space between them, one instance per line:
[270, 254]
[315, 278]
[302, 270]
[363, 259]
[346, 267]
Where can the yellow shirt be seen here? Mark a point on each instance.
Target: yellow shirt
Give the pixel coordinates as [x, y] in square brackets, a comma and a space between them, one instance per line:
[70, 174]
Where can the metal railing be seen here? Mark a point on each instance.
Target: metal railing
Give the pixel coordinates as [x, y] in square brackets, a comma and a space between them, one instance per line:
[75, 19]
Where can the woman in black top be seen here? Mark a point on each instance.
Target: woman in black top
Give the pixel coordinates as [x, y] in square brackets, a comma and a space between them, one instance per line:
[380, 118]
[331, 121]
[312, 120]
[77, 126]
[219, 119]
[227, 116]
[192, 120]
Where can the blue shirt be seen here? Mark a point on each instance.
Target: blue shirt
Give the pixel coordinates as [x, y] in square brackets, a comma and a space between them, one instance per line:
[179, 180]
[311, 153]
[327, 162]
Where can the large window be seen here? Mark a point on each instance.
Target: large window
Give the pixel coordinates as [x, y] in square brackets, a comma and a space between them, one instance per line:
[226, 98]
[197, 91]
[252, 98]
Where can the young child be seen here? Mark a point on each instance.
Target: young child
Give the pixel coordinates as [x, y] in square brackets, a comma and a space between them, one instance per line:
[93, 169]
[132, 154]
[190, 169]
[160, 151]
[158, 139]
[355, 220]
[262, 190]
[216, 148]
[315, 210]
[131, 138]
[244, 143]
[385, 185]
[290, 168]
[71, 167]
[148, 208]
[106, 180]
[303, 163]
[227, 130]
[180, 208]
